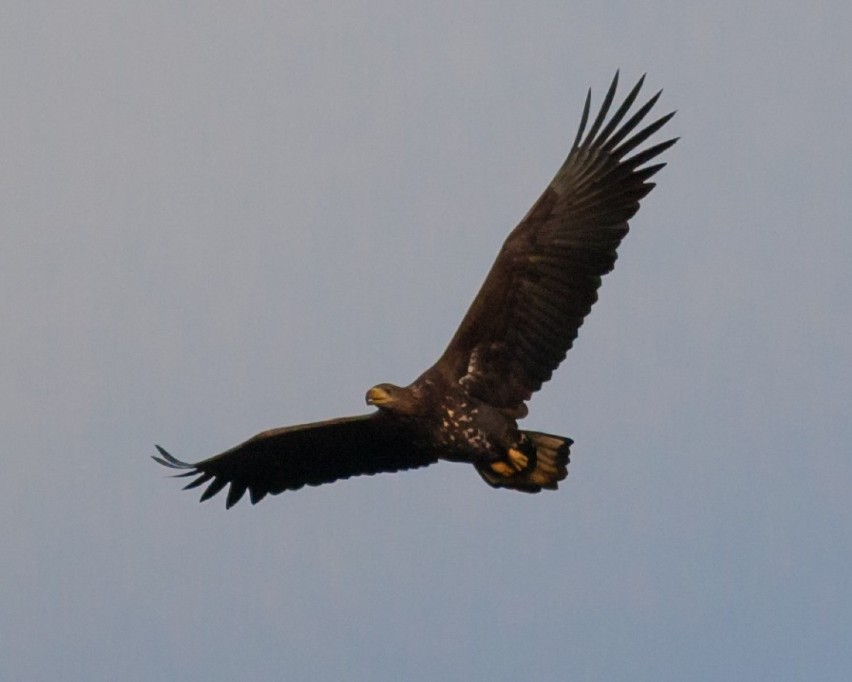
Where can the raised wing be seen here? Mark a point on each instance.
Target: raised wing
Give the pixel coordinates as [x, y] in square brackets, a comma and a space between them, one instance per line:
[546, 276]
[309, 454]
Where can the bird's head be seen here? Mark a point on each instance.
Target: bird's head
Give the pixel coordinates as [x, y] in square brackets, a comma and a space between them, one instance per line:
[393, 398]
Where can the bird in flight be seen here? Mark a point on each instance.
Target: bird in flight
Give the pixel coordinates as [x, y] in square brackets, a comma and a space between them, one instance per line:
[466, 407]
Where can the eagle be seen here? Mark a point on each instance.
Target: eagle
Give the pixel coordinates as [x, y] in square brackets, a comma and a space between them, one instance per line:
[466, 407]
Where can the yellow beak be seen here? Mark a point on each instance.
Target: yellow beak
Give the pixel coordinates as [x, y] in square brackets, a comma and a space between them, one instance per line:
[377, 396]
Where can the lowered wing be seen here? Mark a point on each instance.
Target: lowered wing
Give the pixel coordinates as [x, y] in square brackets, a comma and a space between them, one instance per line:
[310, 454]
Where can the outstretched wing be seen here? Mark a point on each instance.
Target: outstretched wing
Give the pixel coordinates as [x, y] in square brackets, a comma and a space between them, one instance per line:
[546, 276]
[309, 454]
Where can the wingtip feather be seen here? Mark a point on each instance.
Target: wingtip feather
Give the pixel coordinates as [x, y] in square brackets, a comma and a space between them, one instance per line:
[169, 460]
[584, 119]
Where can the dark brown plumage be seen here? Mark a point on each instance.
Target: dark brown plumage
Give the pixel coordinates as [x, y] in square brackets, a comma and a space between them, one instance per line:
[517, 331]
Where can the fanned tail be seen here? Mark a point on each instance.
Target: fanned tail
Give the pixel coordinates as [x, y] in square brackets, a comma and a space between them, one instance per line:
[547, 468]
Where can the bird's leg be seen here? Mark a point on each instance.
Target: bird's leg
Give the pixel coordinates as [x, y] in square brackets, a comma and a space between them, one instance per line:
[502, 469]
[517, 462]
[518, 459]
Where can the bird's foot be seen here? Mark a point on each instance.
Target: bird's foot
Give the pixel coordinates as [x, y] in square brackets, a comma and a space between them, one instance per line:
[502, 469]
[516, 463]
[518, 459]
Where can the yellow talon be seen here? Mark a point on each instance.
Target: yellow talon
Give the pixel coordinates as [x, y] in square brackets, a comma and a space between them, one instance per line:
[517, 462]
[518, 459]
[503, 469]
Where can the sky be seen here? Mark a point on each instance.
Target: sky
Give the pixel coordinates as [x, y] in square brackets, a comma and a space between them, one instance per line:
[216, 218]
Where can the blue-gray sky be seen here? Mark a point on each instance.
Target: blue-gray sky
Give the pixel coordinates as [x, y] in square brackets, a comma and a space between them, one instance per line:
[222, 217]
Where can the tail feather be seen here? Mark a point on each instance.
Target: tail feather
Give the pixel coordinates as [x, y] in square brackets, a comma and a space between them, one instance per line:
[548, 466]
